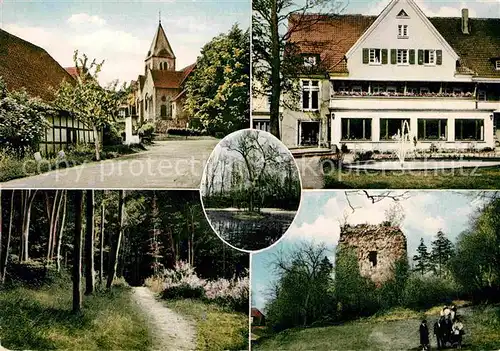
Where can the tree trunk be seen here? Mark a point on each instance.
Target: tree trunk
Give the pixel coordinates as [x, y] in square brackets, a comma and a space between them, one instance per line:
[56, 225]
[1, 226]
[9, 235]
[28, 201]
[97, 143]
[52, 223]
[274, 113]
[113, 262]
[61, 231]
[89, 244]
[77, 251]
[101, 243]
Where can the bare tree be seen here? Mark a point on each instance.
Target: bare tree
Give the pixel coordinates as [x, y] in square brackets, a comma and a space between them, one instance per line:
[27, 197]
[61, 231]
[101, 240]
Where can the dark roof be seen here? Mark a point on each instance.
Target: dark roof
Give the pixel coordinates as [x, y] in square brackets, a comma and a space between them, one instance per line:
[73, 71]
[477, 49]
[25, 65]
[332, 36]
[187, 71]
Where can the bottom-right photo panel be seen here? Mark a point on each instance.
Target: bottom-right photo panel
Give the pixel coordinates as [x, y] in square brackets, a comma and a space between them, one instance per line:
[382, 270]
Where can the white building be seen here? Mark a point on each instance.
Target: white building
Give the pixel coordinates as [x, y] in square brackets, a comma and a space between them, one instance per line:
[441, 75]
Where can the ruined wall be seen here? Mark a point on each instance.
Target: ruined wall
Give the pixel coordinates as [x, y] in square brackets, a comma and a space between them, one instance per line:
[378, 247]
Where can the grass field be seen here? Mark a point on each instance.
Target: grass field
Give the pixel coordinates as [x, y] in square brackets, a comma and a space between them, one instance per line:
[397, 330]
[486, 178]
[41, 319]
[217, 328]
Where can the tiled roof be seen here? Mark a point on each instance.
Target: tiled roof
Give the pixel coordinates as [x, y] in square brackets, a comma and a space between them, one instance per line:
[187, 71]
[256, 313]
[73, 71]
[25, 65]
[332, 36]
[477, 49]
[167, 79]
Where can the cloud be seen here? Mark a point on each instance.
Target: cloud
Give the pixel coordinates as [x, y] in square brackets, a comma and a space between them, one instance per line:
[84, 18]
[438, 9]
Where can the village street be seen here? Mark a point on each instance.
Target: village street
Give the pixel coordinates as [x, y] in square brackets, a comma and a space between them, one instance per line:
[167, 164]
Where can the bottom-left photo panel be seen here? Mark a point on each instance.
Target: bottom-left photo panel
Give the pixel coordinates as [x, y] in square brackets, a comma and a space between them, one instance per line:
[117, 270]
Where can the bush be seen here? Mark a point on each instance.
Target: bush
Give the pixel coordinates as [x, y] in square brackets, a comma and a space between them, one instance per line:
[183, 291]
[112, 135]
[363, 156]
[425, 292]
[183, 132]
[147, 131]
[344, 148]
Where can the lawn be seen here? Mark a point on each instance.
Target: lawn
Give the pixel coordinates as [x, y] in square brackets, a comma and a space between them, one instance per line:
[217, 328]
[41, 319]
[397, 330]
[485, 178]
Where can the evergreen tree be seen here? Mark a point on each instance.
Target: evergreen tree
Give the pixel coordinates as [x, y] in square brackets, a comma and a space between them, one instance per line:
[422, 258]
[441, 252]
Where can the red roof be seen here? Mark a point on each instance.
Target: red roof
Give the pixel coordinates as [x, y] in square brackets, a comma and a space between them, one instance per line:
[167, 79]
[187, 71]
[256, 313]
[73, 71]
[329, 36]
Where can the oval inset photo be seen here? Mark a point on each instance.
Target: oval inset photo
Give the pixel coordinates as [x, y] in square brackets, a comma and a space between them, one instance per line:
[250, 189]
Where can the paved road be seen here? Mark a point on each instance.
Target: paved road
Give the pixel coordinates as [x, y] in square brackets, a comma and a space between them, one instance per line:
[167, 164]
[310, 171]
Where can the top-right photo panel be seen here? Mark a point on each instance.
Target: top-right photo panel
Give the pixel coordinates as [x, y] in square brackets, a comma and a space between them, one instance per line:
[381, 94]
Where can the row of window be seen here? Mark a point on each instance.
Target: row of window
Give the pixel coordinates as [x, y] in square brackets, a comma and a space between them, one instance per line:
[428, 57]
[428, 129]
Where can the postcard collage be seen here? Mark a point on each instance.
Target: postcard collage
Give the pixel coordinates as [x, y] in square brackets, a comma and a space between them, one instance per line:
[250, 175]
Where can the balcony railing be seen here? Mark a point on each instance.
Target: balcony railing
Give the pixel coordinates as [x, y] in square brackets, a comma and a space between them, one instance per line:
[342, 94]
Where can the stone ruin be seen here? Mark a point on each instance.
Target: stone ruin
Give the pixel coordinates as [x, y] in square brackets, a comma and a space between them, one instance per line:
[378, 248]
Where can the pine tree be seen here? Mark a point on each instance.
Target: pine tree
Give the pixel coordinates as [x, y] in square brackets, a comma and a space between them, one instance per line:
[442, 250]
[422, 258]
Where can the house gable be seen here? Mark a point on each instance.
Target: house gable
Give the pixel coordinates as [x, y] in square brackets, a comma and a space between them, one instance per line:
[390, 33]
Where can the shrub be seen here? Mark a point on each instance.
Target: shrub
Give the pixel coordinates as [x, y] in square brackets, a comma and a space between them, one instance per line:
[183, 291]
[146, 132]
[183, 132]
[425, 292]
[344, 148]
[112, 135]
[363, 156]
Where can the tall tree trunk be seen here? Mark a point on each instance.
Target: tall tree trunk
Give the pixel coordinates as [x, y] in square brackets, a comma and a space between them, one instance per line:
[274, 113]
[52, 220]
[113, 262]
[1, 226]
[61, 231]
[9, 235]
[28, 201]
[97, 143]
[77, 251]
[56, 225]
[89, 245]
[101, 242]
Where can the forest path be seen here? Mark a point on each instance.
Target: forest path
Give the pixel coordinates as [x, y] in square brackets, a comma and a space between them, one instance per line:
[170, 330]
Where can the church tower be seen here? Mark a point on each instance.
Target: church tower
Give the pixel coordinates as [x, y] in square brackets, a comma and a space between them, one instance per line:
[160, 55]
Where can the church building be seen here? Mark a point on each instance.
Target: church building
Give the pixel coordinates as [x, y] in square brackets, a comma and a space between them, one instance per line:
[159, 94]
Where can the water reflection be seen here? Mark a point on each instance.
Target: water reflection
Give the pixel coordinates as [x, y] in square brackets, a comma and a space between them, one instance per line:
[250, 232]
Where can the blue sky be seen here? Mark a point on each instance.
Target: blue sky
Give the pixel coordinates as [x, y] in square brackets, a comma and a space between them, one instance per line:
[121, 31]
[321, 212]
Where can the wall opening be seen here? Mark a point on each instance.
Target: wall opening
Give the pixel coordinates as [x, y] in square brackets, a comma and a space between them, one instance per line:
[372, 257]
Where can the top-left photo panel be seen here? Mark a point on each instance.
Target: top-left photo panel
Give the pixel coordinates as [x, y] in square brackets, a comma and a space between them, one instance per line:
[108, 94]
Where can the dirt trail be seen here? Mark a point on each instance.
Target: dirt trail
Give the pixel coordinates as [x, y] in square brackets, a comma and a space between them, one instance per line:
[171, 332]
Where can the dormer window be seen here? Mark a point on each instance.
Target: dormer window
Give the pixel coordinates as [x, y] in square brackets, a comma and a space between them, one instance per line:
[310, 60]
[402, 31]
[497, 65]
[403, 14]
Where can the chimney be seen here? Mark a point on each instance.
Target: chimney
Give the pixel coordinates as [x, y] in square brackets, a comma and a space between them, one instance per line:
[465, 21]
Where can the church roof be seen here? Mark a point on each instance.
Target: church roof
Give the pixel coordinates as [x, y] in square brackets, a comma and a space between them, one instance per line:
[331, 37]
[167, 79]
[25, 65]
[160, 47]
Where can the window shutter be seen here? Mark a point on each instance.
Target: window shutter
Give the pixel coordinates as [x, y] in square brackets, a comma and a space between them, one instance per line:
[384, 56]
[412, 56]
[439, 57]
[420, 57]
[366, 56]
[394, 56]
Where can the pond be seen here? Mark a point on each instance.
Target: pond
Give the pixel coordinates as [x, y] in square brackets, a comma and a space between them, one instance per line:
[250, 231]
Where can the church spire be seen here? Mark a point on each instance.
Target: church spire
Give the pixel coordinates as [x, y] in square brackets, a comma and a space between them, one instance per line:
[160, 46]
[159, 17]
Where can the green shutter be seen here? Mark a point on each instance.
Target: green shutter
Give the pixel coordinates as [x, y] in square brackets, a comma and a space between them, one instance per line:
[412, 56]
[439, 57]
[384, 56]
[420, 57]
[366, 56]
[394, 58]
